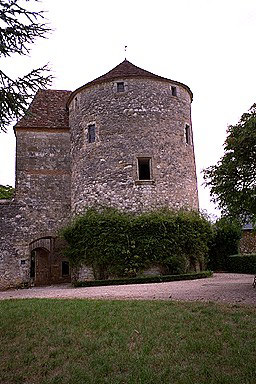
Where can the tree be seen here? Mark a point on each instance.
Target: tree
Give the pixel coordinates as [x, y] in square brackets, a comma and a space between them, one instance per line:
[6, 192]
[19, 28]
[232, 181]
[227, 233]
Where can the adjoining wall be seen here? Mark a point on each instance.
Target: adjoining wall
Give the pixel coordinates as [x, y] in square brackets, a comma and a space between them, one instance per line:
[144, 121]
[42, 202]
[12, 271]
[248, 242]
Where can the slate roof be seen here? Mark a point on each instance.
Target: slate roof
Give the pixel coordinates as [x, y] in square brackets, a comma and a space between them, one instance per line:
[47, 110]
[124, 70]
[247, 226]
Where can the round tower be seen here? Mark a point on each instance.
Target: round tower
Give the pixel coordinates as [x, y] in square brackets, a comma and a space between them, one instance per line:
[132, 142]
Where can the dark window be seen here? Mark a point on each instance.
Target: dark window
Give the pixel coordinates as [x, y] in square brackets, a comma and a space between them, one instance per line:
[144, 168]
[91, 133]
[33, 264]
[188, 134]
[120, 86]
[174, 91]
[65, 268]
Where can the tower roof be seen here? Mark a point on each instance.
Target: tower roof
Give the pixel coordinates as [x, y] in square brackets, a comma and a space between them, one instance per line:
[124, 70]
[47, 110]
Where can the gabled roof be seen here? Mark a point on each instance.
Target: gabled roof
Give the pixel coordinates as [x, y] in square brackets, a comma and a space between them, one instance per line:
[47, 110]
[124, 70]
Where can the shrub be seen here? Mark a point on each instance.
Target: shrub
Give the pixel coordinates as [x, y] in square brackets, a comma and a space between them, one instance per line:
[225, 242]
[242, 263]
[143, 280]
[115, 243]
[6, 192]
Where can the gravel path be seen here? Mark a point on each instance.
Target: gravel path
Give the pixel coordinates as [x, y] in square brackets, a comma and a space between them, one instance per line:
[222, 287]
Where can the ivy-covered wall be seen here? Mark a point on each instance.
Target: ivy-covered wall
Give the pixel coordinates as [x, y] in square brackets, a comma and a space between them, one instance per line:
[115, 243]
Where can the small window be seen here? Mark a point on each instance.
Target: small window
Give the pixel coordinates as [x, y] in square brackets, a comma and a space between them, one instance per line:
[188, 134]
[91, 133]
[33, 265]
[144, 168]
[65, 268]
[174, 91]
[120, 86]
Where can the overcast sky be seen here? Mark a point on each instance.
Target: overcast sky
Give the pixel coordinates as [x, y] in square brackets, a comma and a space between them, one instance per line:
[208, 45]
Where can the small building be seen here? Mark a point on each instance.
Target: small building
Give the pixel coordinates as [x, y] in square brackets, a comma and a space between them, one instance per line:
[123, 140]
[248, 241]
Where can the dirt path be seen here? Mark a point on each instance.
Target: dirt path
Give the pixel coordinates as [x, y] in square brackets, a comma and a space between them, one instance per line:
[222, 287]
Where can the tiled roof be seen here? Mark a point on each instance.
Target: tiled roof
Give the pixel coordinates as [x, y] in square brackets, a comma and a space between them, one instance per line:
[47, 110]
[124, 70]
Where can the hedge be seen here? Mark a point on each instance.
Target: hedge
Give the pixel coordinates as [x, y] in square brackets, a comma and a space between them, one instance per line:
[225, 242]
[242, 263]
[122, 244]
[143, 280]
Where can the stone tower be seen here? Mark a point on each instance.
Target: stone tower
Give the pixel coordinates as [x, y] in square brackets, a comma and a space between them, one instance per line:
[132, 142]
[122, 140]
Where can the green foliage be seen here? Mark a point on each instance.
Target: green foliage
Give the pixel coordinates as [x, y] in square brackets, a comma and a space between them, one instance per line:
[242, 263]
[143, 279]
[6, 192]
[121, 244]
[20, 26]
[233, 179]
[227, 233]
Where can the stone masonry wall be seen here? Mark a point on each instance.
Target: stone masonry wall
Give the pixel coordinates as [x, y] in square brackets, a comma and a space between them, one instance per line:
[144, 121]
[248, 242]
[42, 202]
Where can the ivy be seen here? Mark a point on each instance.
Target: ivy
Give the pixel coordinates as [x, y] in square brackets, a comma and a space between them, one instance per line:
[121, 244]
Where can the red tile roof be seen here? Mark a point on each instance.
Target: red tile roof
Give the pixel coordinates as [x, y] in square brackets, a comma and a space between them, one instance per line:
[124, 70]
[47, 110]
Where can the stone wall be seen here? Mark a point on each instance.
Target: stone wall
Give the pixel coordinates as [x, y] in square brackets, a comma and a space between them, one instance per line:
[13, 271]
[144, 121]
[248, 242]
[42, 202]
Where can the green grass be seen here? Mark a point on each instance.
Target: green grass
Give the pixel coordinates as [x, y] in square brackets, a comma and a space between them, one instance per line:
[83, 342]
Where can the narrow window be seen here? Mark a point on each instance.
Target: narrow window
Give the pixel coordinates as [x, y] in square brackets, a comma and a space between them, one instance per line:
[65, 268]
[144, 168]
[91, 133]
[32, 265]
[120, 86]
[188, 134]
[174, 91]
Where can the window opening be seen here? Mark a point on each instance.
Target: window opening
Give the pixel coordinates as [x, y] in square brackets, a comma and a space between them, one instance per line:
[174, 91]
[65, 268]
[188, 134]
[120, 86]
[91, 133]
[144, 168]
[32, 265]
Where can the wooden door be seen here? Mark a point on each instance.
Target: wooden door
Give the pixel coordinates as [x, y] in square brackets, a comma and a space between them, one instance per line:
[42, 267]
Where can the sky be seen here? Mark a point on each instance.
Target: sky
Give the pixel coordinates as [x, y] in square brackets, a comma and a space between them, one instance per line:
[207, 45]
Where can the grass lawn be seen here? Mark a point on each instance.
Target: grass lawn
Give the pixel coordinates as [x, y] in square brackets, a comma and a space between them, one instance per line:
[81, 342]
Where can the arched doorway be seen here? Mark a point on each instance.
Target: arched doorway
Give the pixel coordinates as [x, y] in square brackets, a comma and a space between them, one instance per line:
[40, 271]
[48, 265]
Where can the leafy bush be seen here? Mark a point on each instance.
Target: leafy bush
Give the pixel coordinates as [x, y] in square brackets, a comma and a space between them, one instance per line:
[143, 280]
[6, 192]
[115, 243]
[225, 242]
[242, 263]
